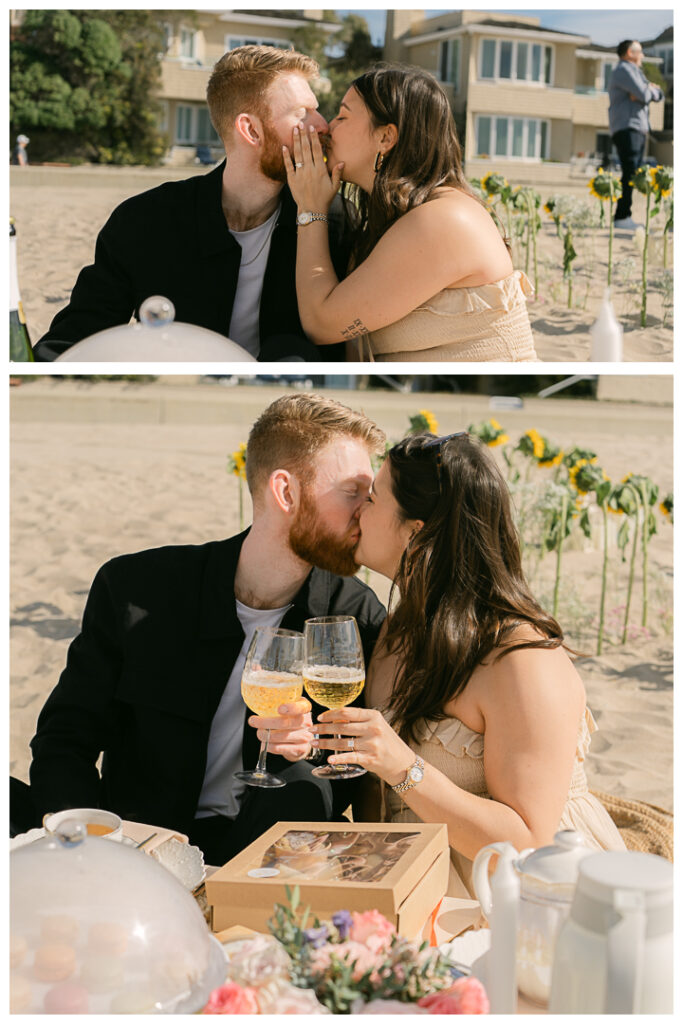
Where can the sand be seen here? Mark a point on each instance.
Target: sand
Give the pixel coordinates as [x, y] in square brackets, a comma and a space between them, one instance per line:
[98, 469]
[59, 212]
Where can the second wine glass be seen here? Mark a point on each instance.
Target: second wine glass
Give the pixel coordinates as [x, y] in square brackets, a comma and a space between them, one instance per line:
[334, 674]
[271, 676]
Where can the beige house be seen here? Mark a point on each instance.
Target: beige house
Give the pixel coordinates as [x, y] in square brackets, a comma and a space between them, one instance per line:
[194, 42]
[530, 100]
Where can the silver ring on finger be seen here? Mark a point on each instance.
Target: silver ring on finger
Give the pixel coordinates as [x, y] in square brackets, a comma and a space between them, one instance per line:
[298, 164]
[352, 742]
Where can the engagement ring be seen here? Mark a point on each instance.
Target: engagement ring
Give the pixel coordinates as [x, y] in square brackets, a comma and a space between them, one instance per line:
[352, 742]
[298, 164]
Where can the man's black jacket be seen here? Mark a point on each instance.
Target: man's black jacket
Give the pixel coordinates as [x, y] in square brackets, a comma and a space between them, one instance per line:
[174, 241]
[144, 678]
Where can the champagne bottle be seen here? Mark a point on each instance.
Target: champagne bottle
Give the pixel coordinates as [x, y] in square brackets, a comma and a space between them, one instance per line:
[20, 350]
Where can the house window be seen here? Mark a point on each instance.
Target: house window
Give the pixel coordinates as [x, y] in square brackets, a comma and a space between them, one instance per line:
[522, 60]
[483, 136]
[449, 62]
[514, 138]
[507, 59]
[607, 69]
[168, 35]
[488, 58]
[188, 43]
[232, 42]
[193, 126]
[183, 126]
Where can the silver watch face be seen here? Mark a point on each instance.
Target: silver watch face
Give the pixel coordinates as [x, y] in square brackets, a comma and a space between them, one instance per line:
[416, 774]
[304, 218]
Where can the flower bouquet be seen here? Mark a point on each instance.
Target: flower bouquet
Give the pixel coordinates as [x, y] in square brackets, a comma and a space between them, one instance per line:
[352, 963]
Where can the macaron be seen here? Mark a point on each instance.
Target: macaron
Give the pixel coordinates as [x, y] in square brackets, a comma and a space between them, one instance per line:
[20, 994]
[59, 928]
[54, 963]
[101, 973]
[69, 997]
[108, 937]
[18, 948]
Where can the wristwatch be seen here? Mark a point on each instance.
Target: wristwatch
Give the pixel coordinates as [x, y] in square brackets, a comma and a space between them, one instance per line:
[414, 775]
[305, 217]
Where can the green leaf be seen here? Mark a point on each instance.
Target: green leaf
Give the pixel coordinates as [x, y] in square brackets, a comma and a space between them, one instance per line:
[602, 491]
[585, 523]
[622, 538]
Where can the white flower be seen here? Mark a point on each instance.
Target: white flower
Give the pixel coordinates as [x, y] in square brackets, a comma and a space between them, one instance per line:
[258, 962]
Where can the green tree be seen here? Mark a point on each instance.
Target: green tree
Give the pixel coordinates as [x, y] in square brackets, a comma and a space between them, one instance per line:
[83, 83]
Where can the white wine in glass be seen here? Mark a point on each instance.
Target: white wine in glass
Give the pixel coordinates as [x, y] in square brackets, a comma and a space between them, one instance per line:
[271, 677]
[334, 674]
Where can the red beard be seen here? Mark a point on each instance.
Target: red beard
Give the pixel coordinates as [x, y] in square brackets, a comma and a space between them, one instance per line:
[311, 541]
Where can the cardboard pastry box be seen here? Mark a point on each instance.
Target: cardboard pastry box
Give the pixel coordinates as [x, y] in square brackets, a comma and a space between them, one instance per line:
[399, 869]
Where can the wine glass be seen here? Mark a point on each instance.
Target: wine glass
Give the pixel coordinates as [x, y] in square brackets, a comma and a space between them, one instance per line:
[334, 674]
[271, 677]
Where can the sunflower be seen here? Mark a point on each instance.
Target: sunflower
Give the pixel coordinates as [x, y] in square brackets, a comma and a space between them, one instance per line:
[605, 186]
[237, 461]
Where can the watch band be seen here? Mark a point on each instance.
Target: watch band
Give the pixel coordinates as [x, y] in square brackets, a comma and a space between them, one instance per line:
[409, 782]
[306, 217]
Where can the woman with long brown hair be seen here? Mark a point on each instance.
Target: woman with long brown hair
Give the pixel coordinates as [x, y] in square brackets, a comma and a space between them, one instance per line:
[430, 276]
[475, 715]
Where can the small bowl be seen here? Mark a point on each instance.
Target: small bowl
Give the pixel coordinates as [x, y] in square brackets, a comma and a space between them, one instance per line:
[105, 824]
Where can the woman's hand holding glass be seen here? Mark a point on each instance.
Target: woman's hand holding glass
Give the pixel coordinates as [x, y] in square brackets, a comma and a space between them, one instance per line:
[312, 185]
[376, 746]
[334, 675]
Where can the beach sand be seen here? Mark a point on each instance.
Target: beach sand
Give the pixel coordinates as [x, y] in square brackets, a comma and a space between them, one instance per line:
[99, 469]
[59, 212]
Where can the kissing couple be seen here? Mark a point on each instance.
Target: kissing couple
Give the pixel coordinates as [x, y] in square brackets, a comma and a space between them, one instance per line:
[473, 714]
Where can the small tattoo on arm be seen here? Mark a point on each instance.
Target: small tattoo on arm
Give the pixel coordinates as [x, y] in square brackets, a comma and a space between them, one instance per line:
[354, 330]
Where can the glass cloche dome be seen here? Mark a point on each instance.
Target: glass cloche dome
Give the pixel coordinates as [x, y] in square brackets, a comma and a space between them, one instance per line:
[97, 927]
[156, 338]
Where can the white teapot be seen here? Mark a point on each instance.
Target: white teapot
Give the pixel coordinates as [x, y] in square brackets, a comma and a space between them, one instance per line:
[547, 879]
[614, 953]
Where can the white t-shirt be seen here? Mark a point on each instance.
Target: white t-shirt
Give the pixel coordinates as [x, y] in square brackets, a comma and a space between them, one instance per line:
[221, 793]
[255, 245]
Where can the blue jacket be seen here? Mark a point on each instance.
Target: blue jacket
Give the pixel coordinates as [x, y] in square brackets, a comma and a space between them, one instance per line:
[628, 80]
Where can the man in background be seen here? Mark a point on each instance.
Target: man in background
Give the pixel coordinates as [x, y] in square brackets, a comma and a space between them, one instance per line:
[19, 156]
[630, 95]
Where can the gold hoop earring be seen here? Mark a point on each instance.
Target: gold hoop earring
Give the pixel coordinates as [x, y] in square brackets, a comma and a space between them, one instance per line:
[379, 160]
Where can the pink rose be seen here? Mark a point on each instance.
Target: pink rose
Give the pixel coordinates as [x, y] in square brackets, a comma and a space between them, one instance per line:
[373, 929]
[320, 958]
[232, 998]
[466, 995]
[363, 958]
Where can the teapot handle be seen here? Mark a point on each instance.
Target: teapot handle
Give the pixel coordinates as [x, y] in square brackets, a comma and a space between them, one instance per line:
[625, 951]
[480, 875]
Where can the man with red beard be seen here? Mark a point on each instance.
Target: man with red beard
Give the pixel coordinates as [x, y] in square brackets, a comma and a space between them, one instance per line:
[153, 680]
[221, 246]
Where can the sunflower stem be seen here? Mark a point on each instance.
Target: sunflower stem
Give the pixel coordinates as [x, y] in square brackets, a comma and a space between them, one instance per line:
[645, 539]
[603, 592]
[643, 308]
[632, 568]
[558, 560]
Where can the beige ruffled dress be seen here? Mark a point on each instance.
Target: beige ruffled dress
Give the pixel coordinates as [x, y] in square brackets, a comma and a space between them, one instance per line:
[483, 324]
[458, 752]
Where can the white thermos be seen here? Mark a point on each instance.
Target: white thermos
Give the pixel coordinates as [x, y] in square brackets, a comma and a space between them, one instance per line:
[607, 336]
